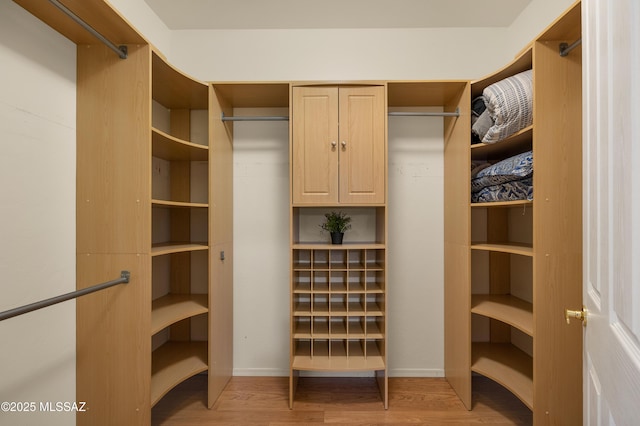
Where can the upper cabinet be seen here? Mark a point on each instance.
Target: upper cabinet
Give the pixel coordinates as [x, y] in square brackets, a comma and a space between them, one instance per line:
[338, 151]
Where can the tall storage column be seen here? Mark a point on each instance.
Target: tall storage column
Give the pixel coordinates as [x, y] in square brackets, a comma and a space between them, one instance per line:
[338, 291]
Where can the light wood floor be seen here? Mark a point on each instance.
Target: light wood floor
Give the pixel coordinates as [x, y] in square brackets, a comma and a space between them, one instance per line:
[338, 401]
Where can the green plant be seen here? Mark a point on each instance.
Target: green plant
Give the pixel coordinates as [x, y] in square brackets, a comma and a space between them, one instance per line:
[336, 222]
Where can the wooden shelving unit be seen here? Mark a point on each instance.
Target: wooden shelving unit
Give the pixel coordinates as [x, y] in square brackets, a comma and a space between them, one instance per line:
[180, 188]
[146, 186]
[522, 259]
[338, 292]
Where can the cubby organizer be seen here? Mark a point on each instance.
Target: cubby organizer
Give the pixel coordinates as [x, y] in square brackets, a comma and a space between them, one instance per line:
[338, 312]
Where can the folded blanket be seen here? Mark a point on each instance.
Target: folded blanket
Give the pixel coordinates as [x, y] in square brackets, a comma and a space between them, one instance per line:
[513, 168]
[508, 191]
[510, 104]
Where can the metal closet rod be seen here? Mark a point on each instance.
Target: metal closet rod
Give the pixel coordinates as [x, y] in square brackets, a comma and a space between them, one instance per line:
[120, 50]
[124, 278]
[455, 113]
[254, 118]
[565, 48]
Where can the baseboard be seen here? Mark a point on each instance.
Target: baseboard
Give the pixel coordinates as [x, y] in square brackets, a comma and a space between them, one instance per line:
[261, 372]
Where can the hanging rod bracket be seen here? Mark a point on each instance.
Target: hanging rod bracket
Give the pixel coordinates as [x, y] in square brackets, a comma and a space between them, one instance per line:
[565, 48]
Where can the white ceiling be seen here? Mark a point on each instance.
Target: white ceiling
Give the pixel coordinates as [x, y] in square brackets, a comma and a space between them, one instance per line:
[307, 14]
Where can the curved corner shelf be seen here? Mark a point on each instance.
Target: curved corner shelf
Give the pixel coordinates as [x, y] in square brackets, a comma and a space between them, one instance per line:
[506, 308]
[171, 148]
[522, 62]
[506, 204]
[517, 143]
[169, 248]
[172, 308]
[513, 248]
[174, 362]
[507, 365]
[173, 88]
[177, 204]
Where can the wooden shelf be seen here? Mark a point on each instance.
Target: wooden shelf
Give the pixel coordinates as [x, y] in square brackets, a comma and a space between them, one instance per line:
[513, 248]
[172, 308]
[507, 365]
[507, 204]
[177, 204]
[174, 89]
[517, 143]
[171, 148]
[169, 248]
[335, 247]
[523, 62]
[175, 362]
[341, 358]
[506, 308]
[254, 95]
[423, 93]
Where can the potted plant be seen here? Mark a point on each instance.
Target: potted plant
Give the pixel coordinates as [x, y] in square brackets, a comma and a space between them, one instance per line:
[336, 223]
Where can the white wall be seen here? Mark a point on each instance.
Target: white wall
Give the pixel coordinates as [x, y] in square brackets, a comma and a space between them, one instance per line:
[37, 230]
[338, 54]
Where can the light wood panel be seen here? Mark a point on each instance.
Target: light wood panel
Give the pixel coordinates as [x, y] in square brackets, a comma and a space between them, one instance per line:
[112, 196]
[220, 320]
[220, 170]
[113, 341]
[315, 145]
[362, 145]
[457, 234]
[557, 226]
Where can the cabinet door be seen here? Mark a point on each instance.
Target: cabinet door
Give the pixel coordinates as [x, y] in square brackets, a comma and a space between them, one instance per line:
[362, 145]
[314, 145]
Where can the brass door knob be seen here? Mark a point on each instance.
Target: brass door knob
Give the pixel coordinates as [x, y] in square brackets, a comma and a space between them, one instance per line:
[579, 315]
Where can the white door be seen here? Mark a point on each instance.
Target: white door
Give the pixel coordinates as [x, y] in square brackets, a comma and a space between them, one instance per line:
[611, 116]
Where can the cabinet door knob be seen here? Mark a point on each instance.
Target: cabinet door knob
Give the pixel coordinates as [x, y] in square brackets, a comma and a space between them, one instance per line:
[344, 144]
[334, 144]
